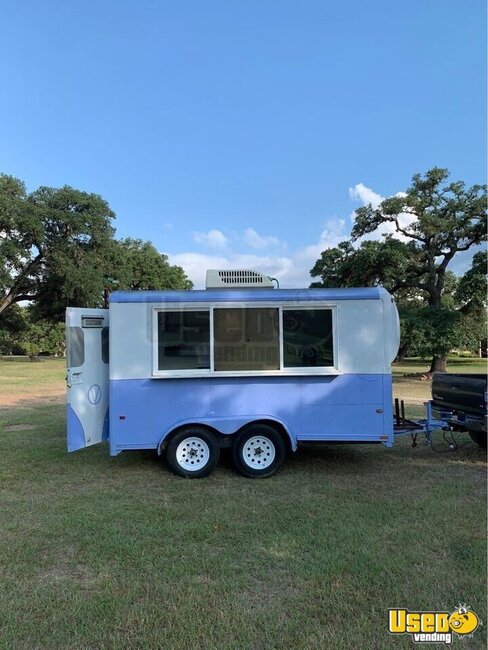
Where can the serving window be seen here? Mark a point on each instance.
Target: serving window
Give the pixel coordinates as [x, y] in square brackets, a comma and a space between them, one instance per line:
[183, 340]
[307, 338]
[244, 340]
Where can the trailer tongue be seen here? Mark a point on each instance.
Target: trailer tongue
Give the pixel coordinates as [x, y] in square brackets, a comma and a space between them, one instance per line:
[447, 421]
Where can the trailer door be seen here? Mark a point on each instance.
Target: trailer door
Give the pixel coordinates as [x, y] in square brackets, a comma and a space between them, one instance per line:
[87, 377]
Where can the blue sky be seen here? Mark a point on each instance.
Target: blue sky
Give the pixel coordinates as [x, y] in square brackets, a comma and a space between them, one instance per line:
[241, 133]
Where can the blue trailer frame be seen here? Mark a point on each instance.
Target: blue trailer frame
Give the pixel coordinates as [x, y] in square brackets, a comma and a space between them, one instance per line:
[336, 387]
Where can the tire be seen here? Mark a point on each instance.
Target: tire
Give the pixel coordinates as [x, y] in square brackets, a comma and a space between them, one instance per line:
[258, 451]
[479, 437]
[193, 452]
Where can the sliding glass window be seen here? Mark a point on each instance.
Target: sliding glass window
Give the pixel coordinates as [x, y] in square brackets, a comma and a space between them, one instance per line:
[307, 338]
[246, 339]
[242, 339]
[183, 340]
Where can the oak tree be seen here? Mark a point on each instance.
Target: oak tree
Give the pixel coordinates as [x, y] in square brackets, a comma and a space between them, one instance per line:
[435, 220]
[52, 245]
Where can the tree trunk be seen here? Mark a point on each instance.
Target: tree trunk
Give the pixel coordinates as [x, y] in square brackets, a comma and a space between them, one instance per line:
[438, 364]
[5, 302]
[439, 361]
[402, 352]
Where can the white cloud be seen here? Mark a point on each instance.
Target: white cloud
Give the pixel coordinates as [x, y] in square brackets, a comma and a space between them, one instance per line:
[292, 269]
[333, 233]
[366, 195]
[271, 255]
[211, 239]
[196, 265]
[254, 240]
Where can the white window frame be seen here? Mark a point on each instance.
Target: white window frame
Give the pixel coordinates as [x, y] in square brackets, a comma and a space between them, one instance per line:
[306, 369]
[189, 372]
[282, 371]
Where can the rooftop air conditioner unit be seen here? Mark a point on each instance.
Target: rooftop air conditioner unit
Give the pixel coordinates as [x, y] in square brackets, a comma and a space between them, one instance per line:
[225, 279]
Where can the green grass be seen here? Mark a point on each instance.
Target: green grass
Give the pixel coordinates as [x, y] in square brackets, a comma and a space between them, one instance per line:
[21, 381]
[119, 553]
[23, 373]
[455, 364]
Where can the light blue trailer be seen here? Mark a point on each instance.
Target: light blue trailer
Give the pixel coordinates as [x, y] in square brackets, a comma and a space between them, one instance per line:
[260, 370]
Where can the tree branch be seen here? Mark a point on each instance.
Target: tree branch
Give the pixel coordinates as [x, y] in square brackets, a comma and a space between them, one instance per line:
[409, 284]
[20, 284]
[406, 233]
[21, 297]
[463, 248]
[447, 258]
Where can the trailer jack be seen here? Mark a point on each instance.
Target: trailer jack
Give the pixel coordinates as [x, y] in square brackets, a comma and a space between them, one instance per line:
[427, 426]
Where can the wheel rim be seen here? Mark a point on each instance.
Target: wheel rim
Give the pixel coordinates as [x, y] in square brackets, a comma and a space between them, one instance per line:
[192, 454]
[258, 452]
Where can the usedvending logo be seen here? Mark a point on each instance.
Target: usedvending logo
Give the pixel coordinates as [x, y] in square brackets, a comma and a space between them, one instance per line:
[433, 627]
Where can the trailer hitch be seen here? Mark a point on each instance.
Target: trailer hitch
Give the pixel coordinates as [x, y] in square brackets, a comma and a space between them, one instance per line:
[403, 425]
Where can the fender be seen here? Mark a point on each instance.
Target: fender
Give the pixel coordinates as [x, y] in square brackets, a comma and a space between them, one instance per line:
[227, 426]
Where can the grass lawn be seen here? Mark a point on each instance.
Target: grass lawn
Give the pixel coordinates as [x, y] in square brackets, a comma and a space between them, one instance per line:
[24, 383]
[455, 364]
[119, 553]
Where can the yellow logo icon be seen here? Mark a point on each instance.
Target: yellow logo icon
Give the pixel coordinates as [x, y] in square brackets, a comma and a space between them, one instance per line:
[429, 627]
[463, 621]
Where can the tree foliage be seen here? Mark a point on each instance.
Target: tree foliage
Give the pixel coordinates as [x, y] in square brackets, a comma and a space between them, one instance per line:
[137, 265]
[43, 337]
[471, 290]
[21, 333]
[388, 262]
[57, 249]
[438, 219]
[432, 221]
[52, 244]
[13, 324]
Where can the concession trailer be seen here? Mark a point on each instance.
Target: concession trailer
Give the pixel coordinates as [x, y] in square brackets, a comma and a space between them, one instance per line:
[241, 364]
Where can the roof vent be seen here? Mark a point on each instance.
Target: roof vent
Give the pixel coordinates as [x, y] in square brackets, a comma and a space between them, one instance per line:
[237, 278]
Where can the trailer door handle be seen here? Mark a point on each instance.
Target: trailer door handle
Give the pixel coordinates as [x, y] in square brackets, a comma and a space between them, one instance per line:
[74, 378]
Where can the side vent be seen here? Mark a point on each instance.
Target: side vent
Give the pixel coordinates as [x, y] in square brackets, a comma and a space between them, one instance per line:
[237, 278]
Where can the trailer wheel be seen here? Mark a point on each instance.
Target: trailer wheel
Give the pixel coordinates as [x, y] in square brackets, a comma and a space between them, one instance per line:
[193, 452]
[258, 451]
[479, 437]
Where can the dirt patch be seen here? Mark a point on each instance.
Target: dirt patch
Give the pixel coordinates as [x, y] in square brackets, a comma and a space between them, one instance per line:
[20, 427]
[28, 398]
